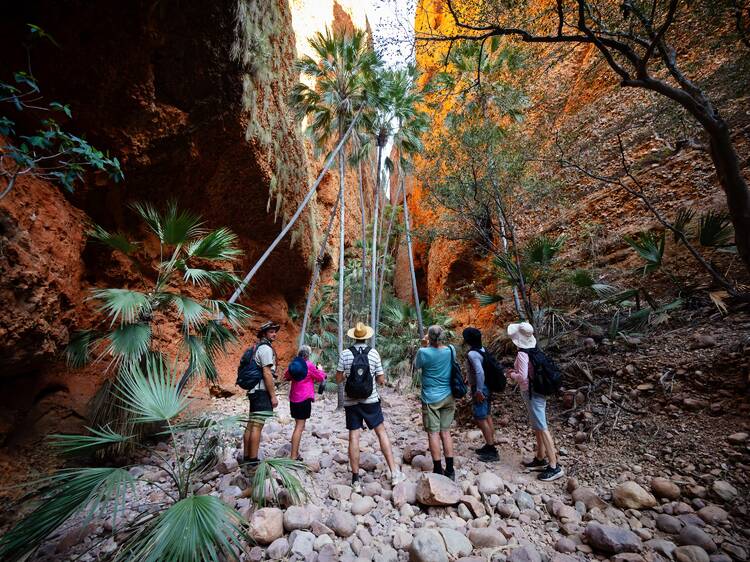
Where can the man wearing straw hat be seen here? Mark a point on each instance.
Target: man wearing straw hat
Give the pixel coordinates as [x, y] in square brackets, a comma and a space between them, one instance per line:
[367, 410]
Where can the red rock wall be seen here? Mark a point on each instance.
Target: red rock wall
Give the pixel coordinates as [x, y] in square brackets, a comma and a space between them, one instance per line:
[191, 97]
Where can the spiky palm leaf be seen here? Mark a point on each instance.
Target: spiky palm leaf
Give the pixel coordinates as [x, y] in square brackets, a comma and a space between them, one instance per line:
[682, 221]
[195, 529]
[214, 278]
[216, 245]
[173, 227]
[287, 471]
[129, 342]
[76, 444]
[650, 247]
[122, 305]
[152, 396]
[487, 300]
[715, 229]
[115, 241]
[543, 249]
[78, 350]
[89, 490]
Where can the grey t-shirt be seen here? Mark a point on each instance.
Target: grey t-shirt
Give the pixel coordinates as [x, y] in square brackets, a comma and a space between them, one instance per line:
[476, 371]
[264, 357]
[376, 368]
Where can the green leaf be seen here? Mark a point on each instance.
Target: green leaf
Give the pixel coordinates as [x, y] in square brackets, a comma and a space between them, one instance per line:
[650, 247]
[60, 107]
[122, 305]
[235, 313]
[115, 241]
[715, 229]
[153, 397]
[78, 351]
[192, 311]
[683, 219]
[216, 245]
[88, 490]
[203, 277]
[486, 300]
[73, 444]
[130, 342]
[195, 529]
[287, 470]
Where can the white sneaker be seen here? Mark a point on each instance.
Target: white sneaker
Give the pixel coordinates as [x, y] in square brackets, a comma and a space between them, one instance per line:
[357, 487]
[397, 477]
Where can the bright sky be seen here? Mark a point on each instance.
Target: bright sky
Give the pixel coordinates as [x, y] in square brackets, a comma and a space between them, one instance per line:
[392, 24]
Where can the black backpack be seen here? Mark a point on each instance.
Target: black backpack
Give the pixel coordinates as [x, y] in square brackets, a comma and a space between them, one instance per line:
[547, 378]
[494, 375]
[249, 373]
[359, 382]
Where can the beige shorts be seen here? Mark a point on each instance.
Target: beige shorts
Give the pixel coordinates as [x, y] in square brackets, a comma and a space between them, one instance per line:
[438, 416]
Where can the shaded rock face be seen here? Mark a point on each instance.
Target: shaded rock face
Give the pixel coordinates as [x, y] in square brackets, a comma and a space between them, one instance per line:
[192, 99]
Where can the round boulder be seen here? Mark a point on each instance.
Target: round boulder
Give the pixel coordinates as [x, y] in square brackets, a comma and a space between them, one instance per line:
[427, 546]
[630, 495]
[266, 525]
[665, 488]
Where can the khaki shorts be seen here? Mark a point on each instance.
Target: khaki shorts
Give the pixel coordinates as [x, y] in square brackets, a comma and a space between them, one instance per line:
[438, 416]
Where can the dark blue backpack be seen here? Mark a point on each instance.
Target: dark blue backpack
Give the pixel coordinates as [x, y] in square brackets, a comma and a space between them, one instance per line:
[298, 369]
[546, 378]
[249, 373]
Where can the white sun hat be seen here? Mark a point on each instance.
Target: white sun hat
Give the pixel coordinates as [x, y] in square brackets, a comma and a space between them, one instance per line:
[522, 334]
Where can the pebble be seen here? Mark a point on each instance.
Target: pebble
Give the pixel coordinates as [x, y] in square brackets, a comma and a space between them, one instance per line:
[690, 554]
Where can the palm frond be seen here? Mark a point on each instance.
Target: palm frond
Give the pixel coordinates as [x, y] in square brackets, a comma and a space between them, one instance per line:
[543, 249]
[486, 300]
[192, 311]
[236, 314]
[195, 529]
[212, 278]
[650, 247]
[216, 245]
[681, 222]
[201, 362]
[715, 229]
[151, 397]
[78, 350]
[99, 438]
[287, 470]
[123, 305]
[582, 279]
[70, 491]
[129, 342]
[115, 241]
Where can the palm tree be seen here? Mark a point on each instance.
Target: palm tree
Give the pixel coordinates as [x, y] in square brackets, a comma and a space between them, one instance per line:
[187, 253]
[341, 73]
[403, 100]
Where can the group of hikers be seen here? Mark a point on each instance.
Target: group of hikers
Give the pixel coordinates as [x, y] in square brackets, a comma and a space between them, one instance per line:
[360, 369]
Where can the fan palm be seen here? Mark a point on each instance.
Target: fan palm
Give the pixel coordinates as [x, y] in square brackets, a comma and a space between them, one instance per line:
[187, 526]
[189, 257]
[340, 74]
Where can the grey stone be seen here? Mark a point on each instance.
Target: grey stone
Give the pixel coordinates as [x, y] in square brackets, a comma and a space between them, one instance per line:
[303, 543]
[427, 546]
[490, 483]
[713, 514]
[565, 545]
[403, 493]
[668, 523]
[610, 539]
[343, 524]
[455, 543]
[525, 553]
[297, 517]
[690, 553]
[724, 490]
[486, 537]
[692, 535]
[523, 500]
[278, 549]
[662, 546]
[362, 505]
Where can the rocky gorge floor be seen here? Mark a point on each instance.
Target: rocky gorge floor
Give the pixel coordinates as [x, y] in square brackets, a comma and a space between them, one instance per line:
[623, 500]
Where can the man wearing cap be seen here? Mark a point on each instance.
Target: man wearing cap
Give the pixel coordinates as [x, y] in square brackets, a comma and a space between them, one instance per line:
[367, 410]
[263, 396]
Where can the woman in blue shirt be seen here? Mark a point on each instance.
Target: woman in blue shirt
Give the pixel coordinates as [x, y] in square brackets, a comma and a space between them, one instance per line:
[438, 405]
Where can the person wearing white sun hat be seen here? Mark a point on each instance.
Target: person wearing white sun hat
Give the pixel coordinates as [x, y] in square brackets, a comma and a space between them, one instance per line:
[545, 460]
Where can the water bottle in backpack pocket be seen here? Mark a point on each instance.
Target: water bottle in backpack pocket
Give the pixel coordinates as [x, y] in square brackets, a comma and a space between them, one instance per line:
[359, 382]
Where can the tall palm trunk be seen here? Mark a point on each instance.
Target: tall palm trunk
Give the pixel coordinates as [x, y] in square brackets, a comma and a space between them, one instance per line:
[417, 306]
[316, 271]
[391, 220]
[516, 299]
[364, 237]
[342, 221]
[374, 249]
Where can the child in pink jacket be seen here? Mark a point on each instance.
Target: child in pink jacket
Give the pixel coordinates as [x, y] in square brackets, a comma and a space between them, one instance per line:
[301, 396]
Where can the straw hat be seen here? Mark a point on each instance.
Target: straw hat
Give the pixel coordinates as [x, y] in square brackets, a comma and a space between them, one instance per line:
[522, 334]
[360, 332]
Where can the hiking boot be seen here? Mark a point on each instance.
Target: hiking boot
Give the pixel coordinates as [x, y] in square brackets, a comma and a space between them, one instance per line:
[450, 474]
[536, 465]
[550, 474]
[483, 449]
[397, 477]
[249, 467]
[490, 455]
